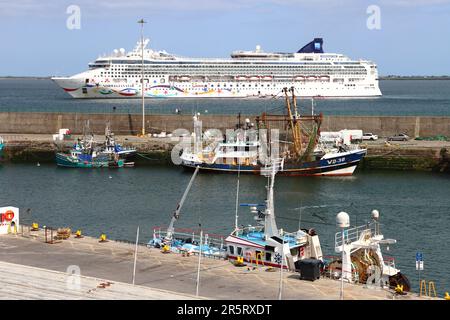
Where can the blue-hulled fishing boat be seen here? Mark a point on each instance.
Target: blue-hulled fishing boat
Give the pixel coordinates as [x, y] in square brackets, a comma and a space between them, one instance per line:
[245, 150]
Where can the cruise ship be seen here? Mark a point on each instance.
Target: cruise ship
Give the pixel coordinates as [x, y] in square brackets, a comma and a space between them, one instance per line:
[246, 74]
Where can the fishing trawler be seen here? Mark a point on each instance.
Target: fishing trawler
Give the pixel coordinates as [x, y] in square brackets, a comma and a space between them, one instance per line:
[86, 153]
[245, 149]
[363, 258]
[264, 243]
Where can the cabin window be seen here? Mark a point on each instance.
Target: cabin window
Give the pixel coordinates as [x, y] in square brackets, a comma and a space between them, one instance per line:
[231, 249]
[239, 251]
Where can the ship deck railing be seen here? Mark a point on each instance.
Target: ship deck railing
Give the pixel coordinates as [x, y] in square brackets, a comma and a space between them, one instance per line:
[210, 239]
[354, 234]
[288, 237]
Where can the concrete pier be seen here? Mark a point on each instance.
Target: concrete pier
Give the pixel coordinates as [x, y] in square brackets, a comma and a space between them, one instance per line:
[44, 267]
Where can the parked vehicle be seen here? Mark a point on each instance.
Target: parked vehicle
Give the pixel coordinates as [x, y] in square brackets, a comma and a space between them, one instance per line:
[369, 136]
[398, 137]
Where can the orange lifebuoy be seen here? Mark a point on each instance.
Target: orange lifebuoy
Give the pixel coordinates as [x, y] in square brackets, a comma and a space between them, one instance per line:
[9, 215]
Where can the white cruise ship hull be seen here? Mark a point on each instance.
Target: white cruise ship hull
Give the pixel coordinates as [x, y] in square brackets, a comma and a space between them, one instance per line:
[77, 88]
[311, 71]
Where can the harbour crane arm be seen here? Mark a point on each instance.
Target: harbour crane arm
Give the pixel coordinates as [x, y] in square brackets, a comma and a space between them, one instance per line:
[176, 213]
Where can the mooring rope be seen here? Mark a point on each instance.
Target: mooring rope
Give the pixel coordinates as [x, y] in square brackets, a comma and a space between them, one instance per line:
[145, 157]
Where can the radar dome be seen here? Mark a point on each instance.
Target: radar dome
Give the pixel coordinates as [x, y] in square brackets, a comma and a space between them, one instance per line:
[375, 215]
[342, 220]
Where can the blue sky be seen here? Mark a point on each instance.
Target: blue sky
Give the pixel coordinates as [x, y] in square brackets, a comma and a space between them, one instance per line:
[413, 39]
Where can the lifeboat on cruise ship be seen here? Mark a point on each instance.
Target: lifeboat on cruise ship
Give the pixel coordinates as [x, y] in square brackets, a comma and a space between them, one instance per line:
[253, 78]
[266, 78]
[241, 78]
[300, 78]
[184, 78]
[324, 78]
[311, 78]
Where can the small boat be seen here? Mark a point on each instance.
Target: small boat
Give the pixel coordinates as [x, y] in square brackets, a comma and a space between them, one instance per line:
[264, 243]
[86, 153]
[82, 159]
[112, 147]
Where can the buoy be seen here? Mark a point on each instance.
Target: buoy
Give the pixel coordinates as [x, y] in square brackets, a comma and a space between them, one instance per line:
[447, 296]
[165, 249]
[103, 237]
[34, 226]
[38, 164]
[9, 215]
[78, 234]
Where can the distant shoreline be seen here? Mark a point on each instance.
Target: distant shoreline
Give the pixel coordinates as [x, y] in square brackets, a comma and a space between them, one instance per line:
[380, 78]
[414, 78]
[24, 77]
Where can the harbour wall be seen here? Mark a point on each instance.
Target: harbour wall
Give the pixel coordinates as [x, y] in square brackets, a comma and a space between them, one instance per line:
[411, 155]
[131, 124]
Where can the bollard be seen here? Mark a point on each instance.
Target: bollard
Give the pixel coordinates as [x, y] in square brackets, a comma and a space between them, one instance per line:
[79, 235]
[34, 226]
[165, 249]
[103, 238]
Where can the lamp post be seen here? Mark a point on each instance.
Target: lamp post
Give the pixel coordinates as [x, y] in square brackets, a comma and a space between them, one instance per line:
[199, 259]
[280, 287]
[142, 21]
[343, 221]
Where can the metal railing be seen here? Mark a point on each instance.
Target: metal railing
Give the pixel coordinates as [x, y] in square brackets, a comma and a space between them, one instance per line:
[354, 234]
[193, 236]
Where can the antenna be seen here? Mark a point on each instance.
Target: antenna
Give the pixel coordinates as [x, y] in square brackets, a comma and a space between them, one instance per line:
[237, 198]
[142, 78]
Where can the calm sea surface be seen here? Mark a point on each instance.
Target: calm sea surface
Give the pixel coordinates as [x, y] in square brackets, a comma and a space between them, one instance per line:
[400, 97]
[414, 207]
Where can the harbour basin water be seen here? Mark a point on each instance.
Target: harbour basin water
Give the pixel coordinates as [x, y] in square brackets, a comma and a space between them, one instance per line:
[400, 97]
[414, 206]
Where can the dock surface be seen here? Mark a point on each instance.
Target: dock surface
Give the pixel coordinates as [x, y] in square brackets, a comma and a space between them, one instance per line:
[174, 274]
